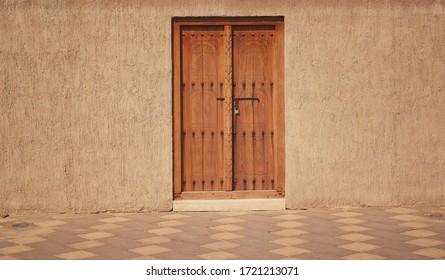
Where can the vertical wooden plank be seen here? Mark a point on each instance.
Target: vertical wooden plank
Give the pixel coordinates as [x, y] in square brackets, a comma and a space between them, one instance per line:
[177, 163]
[228, 106]
[210, 61]
[279, 109]
[221, 113]
[186, 130]
[196, 114]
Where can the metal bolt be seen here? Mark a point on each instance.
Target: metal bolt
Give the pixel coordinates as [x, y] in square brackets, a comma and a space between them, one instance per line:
[193, 133]
[244, 133]
[193, 84]
[222, 181]
[253, 133]
[213, 133]
[202, 133]
[222, 132]
[211, 84]
[183, 133]
[202, 84]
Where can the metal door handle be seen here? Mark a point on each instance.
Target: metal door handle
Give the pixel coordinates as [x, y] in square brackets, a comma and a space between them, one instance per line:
[239, 98]
[246, 98]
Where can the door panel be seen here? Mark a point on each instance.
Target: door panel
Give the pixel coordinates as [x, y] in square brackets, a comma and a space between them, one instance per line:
[228, 153]
[253, 66]
[202, 116]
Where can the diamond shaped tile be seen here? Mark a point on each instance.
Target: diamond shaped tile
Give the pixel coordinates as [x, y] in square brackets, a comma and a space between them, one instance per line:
[150, 250]
[28, 240]
[229, 227]
[164, 231]
[172, 223]
[75, 255]
[347, 214]
[105, 227]
[15, 249]
[289, 232]
[359, 247]
[289, 241]
[356, 237]
[413, 225]
[225, 236]
[431, 252]
[350, 221]
[230, 220]
[221, 245]
[155, 240]
[218, 255]
[425, 242]
[419, 233]
[96, 235]
[52, 223]
[406, 218]
[353, 228]
[289, 251]
[363, 256]
[290, 224]
[289, 217]
[86, 244]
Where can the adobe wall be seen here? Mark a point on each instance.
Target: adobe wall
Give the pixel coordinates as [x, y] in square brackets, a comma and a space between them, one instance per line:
[86, 102]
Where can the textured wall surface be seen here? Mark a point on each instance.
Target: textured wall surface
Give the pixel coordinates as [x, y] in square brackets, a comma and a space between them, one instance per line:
[86, 102]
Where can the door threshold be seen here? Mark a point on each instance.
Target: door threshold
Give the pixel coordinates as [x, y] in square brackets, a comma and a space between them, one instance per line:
[257, 204]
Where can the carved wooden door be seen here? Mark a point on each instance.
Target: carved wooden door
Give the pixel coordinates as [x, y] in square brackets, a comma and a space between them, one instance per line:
[230, 96]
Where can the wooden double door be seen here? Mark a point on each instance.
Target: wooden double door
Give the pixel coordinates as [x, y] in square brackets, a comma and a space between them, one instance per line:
[229, 127]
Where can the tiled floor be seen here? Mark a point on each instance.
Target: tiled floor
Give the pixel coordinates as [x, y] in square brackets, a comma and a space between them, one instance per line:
[359, 233]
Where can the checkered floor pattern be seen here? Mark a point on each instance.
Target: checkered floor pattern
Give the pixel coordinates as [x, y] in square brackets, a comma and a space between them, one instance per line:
[359, 233]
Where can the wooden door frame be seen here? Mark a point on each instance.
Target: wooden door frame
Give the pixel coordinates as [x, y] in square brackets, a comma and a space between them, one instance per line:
[278, 106]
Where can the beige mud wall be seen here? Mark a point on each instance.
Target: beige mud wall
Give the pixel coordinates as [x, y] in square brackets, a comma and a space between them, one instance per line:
[86, 102]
